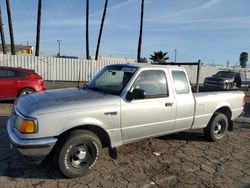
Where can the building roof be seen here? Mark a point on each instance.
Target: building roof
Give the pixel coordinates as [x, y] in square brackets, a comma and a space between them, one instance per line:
[17, 47]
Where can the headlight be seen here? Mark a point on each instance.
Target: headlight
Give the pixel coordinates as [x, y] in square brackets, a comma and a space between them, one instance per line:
[25, 126]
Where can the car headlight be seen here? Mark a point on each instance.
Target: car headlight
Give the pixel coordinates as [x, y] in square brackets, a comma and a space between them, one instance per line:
[25, 126]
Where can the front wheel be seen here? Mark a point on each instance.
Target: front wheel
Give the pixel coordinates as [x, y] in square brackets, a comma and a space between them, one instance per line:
[217, 127]
[79, 153]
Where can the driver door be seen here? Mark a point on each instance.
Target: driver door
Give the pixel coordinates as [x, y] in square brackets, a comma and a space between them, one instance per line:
[152, 116]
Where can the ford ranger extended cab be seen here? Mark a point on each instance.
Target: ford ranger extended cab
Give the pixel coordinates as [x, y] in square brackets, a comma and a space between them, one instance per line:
[121, 104]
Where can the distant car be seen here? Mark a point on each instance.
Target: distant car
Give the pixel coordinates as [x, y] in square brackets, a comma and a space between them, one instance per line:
[224, 80]
[245, 82]
[17, 81]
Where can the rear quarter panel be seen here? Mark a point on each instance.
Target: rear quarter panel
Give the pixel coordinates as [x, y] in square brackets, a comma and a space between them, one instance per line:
[209, 102]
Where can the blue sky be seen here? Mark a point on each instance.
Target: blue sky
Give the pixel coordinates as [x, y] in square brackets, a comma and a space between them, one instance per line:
[210, 30]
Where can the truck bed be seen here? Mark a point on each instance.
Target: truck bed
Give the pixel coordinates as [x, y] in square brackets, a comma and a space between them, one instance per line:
[208, 102]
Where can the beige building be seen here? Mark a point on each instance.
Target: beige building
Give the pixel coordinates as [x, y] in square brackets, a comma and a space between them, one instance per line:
[20, 49]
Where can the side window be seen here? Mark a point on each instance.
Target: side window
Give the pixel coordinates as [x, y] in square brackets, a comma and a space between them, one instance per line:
[153, 82]
[22, 74]
[180, 82]
[7, 73]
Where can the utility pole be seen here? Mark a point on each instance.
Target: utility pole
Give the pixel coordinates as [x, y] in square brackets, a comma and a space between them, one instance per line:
[101, 28]
[140, 33]
[13, 51]
[2, 33]
[175, 55]
[59, 47]
[39, 12]
[87, 29]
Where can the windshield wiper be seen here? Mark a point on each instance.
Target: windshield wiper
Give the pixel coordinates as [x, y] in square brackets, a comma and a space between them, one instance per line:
[96, 89]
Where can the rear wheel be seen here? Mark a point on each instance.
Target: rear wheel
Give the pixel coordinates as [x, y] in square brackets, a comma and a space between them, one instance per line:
[26, 91]
[217, 127]
[78, 154]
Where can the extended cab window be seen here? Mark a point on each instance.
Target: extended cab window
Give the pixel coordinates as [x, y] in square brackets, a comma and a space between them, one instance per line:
[153, 82]
[180, 82]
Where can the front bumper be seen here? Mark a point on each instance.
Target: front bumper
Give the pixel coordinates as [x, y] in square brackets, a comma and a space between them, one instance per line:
[214, 85]
[33, 149]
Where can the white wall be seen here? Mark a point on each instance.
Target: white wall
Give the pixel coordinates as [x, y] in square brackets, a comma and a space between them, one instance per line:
[64, 69]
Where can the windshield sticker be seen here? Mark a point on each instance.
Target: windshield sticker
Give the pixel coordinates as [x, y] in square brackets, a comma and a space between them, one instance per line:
[128, 69]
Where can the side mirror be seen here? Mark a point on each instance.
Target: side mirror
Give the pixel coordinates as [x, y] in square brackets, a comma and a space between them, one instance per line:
[136, 94]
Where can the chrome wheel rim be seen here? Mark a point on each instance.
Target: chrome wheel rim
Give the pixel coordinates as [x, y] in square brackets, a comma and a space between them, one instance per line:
[80, 156]
[26, 92]
[219, 128]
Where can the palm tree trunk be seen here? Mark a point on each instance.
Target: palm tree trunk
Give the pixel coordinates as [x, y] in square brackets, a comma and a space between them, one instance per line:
[13, 52]
[101, 28]
[140, 34]
[87, 29]
[2, 33]
[39, 12]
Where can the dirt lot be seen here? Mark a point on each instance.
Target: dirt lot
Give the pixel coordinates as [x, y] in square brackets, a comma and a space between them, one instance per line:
[180, 160]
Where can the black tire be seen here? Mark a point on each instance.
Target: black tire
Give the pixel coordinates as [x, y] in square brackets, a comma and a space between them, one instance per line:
[78, 154]
[217, 127]
[230, 86]
[25, 91]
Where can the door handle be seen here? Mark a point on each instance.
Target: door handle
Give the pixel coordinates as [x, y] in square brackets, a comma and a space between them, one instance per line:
[17, 81]
[169, 104]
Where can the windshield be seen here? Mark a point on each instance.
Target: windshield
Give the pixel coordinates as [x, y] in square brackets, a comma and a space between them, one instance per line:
[112, 79]
[225, 74]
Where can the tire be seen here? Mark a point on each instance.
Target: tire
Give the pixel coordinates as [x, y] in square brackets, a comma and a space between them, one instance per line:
[217, 127]
[25, 91]
[78, 154]
[230, 86]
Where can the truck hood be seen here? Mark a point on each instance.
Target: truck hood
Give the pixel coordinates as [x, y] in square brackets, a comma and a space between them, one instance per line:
[62, 100]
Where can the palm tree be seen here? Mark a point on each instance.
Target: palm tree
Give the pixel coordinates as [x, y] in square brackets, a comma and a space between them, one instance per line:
[87, 29]
[101, 28]
[2, 33]
[243, 59]
[39, 12]
[159, 57]
[13, 51]
[140, 34]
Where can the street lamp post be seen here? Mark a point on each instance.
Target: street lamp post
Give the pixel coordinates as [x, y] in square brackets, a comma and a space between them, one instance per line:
[59, 47]
[175, 55]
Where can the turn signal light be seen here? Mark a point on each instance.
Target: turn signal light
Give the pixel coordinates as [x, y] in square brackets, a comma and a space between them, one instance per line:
[26, 126]
[243, 101]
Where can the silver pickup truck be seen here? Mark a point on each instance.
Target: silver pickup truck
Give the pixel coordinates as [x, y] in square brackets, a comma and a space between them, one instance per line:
[120, 105]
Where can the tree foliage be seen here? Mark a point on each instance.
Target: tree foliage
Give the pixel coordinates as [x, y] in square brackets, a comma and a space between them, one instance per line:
[243, 59]
[159, 57]
[143, 60]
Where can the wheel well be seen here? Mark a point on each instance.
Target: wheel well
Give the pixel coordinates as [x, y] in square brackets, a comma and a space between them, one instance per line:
[228, 113]
[18, 93]
[101, 133]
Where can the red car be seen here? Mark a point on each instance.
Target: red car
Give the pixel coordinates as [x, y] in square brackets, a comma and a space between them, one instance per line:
[17, 81]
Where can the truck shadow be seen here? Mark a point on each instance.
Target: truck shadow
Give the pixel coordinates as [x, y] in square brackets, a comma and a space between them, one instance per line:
[186, 136]
[7, 101]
